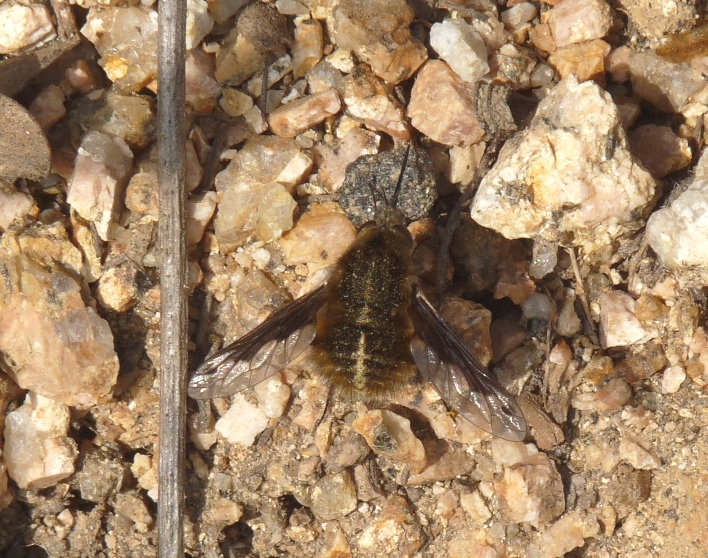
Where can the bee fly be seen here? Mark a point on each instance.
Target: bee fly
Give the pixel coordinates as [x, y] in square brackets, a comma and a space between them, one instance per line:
[372, 331]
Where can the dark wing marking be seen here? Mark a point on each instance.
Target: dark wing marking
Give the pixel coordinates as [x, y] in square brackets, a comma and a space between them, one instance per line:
[261, 353]
[463, 382]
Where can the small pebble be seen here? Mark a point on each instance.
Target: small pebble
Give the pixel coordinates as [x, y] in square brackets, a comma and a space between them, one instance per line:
[334, 496]
[243, 422]
[672, 379]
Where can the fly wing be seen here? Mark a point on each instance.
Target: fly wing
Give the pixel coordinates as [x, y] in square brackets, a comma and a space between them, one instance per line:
[261, 353]
[463, 382]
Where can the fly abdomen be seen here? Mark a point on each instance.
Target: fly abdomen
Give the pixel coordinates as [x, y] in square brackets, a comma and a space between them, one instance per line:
[364, 330]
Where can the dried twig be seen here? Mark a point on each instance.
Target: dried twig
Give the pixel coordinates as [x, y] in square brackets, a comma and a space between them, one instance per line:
[173, 276]
[580, 292]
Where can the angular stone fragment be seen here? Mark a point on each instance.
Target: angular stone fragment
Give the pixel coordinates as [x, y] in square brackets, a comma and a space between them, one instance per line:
[390, 436]
[100, 175]
[307, 47]
[610, 397]
[15, 205]
[131, 506]
[368, 101]
[117, 288]
[518, 15]
[659, 149]
[38, 451]
[394, 63]
[48, 107]
[395, 531]
[242, 422]
[198, 214]
[442, 106]
[619, 325]
[237, 60]
[334, 496]
[24, 26]
[273, 396]
[202, 88]
[458, 44]
[336, 156]
[531, 491]
[638, 457]
[665, 85]
[130, 117]
[558, 180]
[584, 60]
[575, 21]
[120, 35]
[267, 159]
[678, 231]
[378, 31]
[199, 22]
[672, 379]
[263, 211]
[141, 192]
[254, 197]
[294, 118]
[323, 76]
[445, 463]
[566, 534]
[51, 342]
[319, 238]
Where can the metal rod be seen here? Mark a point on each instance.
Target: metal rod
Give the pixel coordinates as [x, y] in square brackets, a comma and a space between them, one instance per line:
[172, 16]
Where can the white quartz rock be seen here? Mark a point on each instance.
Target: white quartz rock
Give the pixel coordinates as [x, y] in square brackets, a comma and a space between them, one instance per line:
[678, 233]
[243, 422]
[38, 451]
[619, 325]
[569, 176]
[457, 42]
[199, 22]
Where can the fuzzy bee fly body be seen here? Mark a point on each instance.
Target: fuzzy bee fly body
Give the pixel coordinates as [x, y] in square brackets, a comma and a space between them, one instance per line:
[364, 330]
[372, 332]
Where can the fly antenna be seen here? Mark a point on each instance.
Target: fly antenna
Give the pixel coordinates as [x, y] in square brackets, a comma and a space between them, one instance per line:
[394, 199]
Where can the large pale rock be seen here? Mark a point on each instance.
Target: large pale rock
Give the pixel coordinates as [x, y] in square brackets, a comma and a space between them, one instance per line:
[570, 176]
[51, 342]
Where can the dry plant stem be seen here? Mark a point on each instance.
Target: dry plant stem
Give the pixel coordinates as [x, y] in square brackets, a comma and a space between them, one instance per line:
[580, 290]
[172, 17]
